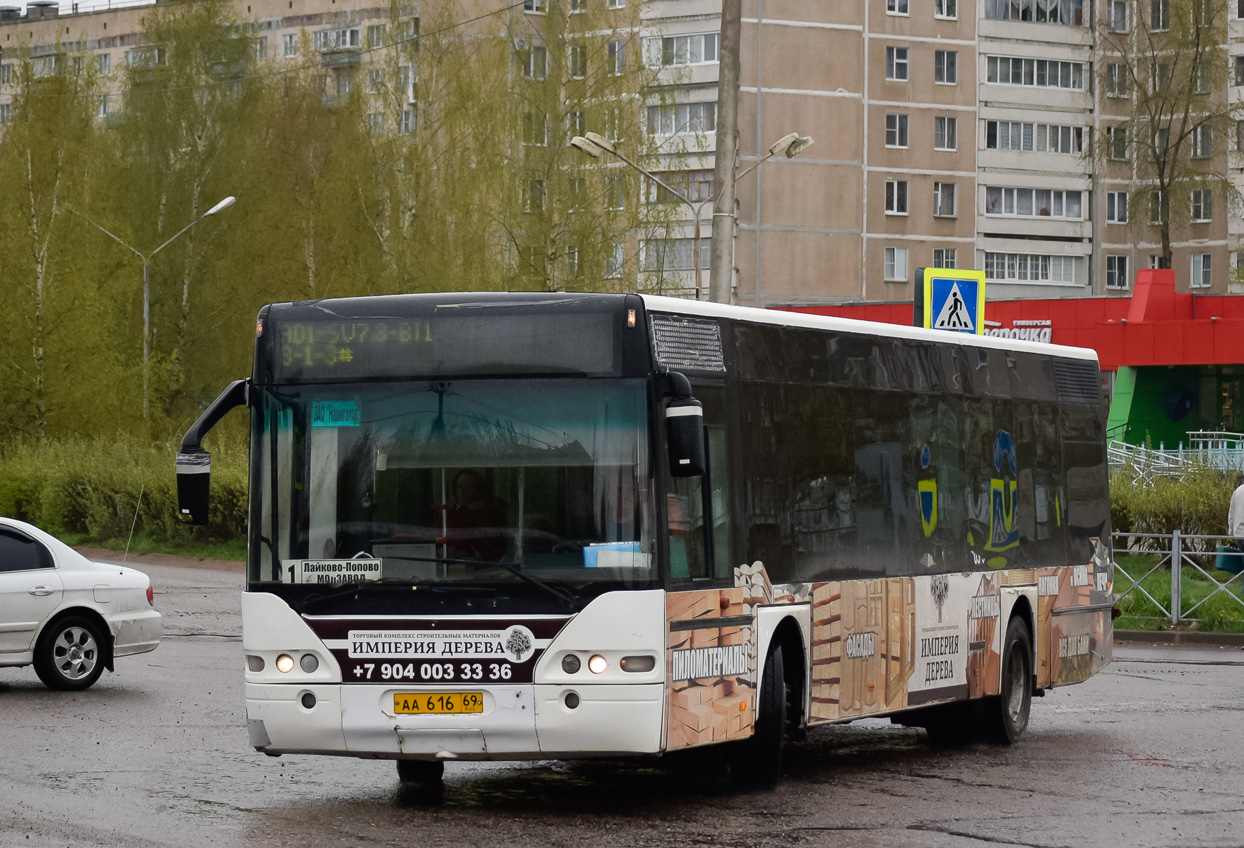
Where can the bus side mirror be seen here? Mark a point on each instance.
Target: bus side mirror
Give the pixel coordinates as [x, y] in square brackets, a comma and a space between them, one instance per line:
[684, 433]
[194, 485]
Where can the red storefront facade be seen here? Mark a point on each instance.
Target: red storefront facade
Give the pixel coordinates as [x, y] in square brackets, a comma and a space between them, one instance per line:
[1174, 361]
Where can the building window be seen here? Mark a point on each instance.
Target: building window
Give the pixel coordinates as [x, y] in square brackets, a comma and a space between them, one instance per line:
[895, 264]
[896, 63]
[945, 133]
[896, 197]
[375, 122]
[944, 257]
[1161, 78]
[1067, 12]
[1202, 141]
[576, 123]
[681, 50]
[1202, 205]
[535, 62]
[6, 113]
[693, 185]
[943, 200]
[336, 39]
[896, 7]
[577, 6]
[673, 255]
[572, 261]
[101, 106]
[375, 36]
[1201, 276]
[1239, 135]
[1116, 140]
[615, 262]
[1238, 79]
[104, 60]
[945, 9]
[375, 80]
[407, 75]
[945, 66]
[289, 44]
[615, 4]
[1116, 207]
[6, 73]
[616, 51]
[534, 6]
[576, 193]
[1116, 272]
[895, 130]
[1038, 73]
[578, 61]
[1159, 15]
[615, 194]
[1157, 262]
[535, 130]
[1161, 141]
[676, 118]
[1202, 79]
[409, 121]
[1029, 268]
[144, 57]
[1157, 207]
[1040, 138]
[533, 196]
[1116, 80]
[1116, 14]
[1026, 202]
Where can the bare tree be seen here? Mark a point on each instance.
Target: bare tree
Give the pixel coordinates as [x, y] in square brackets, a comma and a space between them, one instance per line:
[1167, 118]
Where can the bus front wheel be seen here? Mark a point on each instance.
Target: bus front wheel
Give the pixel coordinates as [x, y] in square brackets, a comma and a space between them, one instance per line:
[420, 771]
[755, 762]
[1007, 713]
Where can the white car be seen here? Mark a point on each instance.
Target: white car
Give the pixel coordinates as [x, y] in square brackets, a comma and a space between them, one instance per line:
[68, 616]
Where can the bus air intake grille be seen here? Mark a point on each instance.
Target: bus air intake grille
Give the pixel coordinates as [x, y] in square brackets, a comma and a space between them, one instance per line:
[1076, 381]
[687, 344]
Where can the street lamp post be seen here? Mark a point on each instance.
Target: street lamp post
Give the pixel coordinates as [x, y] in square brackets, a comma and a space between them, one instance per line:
[146, 258]
[593, 145]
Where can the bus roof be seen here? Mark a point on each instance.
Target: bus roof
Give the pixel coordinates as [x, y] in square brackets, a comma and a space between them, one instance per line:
[781, 317]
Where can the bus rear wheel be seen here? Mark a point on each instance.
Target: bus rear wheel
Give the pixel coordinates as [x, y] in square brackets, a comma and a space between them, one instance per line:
[1007, 713]
[756, 762]
[420, 771]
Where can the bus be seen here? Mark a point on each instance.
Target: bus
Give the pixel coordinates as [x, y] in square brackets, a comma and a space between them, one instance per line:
[488, 526]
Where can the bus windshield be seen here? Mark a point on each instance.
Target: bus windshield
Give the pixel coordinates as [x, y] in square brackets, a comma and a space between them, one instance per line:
[516, 484]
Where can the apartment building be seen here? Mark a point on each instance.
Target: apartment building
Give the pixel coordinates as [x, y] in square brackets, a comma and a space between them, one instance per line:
[949, 133]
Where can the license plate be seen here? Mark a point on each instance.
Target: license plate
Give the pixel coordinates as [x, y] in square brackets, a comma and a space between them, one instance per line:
[438, 703]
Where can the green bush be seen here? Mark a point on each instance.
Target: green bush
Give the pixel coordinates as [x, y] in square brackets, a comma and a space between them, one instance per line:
[1195, 503]
[99, 489]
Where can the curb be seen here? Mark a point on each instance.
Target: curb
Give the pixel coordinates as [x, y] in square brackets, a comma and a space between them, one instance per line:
[1179, 637]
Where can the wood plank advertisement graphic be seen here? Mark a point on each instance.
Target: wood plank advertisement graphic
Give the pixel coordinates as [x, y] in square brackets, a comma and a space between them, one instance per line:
[881, 645]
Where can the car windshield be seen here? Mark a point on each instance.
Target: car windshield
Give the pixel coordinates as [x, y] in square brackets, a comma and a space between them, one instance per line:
[507, 483]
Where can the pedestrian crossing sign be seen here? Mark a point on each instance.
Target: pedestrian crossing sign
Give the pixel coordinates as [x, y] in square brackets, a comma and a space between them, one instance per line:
[954, 300]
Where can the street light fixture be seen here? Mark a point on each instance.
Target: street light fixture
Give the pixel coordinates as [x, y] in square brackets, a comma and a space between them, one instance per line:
[593, 145]
[146, 258]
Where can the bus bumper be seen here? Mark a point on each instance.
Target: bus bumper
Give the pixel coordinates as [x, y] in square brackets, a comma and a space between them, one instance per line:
[518, 722]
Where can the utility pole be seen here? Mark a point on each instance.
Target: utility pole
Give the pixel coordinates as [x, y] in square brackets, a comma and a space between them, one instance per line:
[721, 267]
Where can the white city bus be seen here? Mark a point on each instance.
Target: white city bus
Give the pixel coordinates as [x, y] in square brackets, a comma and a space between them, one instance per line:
[514, 526]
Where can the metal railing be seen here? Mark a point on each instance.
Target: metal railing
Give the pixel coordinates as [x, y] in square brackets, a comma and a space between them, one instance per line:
[1208, 448]
[1181, 555]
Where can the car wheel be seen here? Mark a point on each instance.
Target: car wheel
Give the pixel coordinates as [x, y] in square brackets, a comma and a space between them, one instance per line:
[420, 771]
[70, 654]
[1007, 714]
[756, 762]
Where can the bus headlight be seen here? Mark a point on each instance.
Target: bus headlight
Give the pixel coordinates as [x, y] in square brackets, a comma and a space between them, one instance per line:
[597, 664]
[285, 663]
[571, 663]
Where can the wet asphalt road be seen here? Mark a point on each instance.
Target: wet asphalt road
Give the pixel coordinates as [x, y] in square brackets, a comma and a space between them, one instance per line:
[1146, 754]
